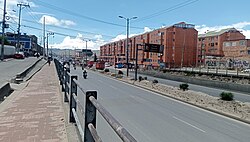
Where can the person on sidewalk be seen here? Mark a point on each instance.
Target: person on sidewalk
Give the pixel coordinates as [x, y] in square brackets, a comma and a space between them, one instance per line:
[49, 62]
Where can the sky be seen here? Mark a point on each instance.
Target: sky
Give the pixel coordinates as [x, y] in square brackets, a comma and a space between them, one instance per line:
[96, 21]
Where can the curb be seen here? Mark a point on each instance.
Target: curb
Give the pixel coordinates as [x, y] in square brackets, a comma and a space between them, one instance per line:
[5, 90]
[20, 76]
[208, 109]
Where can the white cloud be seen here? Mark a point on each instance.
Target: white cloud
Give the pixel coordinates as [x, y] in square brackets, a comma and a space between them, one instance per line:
[50, 20]
[13, 3]
[78, 43]
[147, 29]
[241, 26]
[124, 36]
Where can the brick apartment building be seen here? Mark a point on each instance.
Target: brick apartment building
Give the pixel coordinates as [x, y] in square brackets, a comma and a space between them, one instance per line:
[210, 44]
[180, 47]
[237, 52]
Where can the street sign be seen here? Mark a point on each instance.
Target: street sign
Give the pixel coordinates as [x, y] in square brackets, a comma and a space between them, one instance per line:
[157, 48]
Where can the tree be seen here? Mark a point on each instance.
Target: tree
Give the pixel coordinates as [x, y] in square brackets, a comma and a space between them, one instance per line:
[6, 42]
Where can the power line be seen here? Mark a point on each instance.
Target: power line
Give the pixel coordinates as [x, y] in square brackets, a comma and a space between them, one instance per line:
[79, 15]
[70, 29]
[177, 6]
[58, 33]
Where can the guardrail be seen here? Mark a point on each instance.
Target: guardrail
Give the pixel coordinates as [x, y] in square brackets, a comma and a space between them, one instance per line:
[70, 86]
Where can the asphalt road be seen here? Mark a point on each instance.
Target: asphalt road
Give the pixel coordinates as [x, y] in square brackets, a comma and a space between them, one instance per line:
[9, 69]
[154, 118]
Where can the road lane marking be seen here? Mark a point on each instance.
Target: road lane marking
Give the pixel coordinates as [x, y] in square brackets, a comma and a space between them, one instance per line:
[113, 87]
[189, 124]
[178, 101]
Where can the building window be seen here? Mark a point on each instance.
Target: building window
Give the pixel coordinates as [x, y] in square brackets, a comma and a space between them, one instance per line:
[233, 43]
[216, 43]
[173, 39]
[212, 44]
[248, 52]
[242, 42]
[226, 44]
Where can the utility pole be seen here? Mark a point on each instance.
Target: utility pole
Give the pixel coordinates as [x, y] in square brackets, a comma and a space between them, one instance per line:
[21, 5]
[3, 27]
[127, 23]
[48, 34]
[44, 37]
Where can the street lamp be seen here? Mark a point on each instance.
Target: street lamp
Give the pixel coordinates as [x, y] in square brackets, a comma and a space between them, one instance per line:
[127, 19]
[86, 40]
[48, 34]
[3, 27]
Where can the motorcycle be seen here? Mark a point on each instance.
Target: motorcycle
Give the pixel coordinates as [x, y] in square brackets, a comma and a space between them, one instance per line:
[84, 74]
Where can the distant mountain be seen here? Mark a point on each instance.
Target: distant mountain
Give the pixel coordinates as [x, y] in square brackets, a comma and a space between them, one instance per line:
[58, 51]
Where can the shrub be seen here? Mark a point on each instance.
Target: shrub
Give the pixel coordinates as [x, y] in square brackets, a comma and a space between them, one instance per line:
[227, 96]
[140, 78]
[120, 72]
[184, 86]
[164, 70]
[106, 70]
[155, 81]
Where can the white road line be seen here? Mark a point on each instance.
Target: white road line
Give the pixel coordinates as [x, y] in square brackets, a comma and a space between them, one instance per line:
[189, 124]
[113, 87]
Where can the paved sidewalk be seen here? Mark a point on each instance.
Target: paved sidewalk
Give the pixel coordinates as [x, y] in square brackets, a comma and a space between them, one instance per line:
[36, 112]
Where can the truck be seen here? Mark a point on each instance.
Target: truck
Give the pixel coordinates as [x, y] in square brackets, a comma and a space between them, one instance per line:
[9, 51]
[100, 65]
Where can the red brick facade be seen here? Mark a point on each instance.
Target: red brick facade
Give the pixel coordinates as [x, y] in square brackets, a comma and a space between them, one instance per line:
[180, 47]
[211, 43]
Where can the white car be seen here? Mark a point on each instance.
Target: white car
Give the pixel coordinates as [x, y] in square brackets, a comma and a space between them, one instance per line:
[107, 65]
[246, 70]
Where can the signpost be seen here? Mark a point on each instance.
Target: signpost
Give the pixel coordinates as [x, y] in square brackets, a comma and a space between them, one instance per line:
[156, 48]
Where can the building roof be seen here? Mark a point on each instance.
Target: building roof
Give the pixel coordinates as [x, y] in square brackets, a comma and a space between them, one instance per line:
[216, 33]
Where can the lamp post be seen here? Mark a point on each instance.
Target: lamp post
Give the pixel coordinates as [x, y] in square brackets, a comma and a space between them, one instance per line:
[51, 47]
[127, 19]
[86, 40]
[3, 27]
[21, 5]
[48, 34]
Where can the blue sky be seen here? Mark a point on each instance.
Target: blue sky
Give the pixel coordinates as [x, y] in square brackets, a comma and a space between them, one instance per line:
[74, 20]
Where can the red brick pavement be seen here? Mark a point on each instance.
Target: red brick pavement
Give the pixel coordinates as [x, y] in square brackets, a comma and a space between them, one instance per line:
[36, 113]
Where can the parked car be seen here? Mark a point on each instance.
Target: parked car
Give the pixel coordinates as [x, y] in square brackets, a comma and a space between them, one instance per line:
[19, 55]
[246, 70]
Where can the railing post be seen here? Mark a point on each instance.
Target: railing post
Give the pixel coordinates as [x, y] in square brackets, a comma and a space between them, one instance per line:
[72, 103]
[63, 78]
[62, 73]
[90, 116]
[66, 87]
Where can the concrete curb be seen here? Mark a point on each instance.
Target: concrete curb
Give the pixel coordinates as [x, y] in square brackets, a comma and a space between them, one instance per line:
[5, 90]
[19, 77]
[208, 109]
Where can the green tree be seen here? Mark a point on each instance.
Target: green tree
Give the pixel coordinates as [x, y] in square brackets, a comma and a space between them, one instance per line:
[6, 42]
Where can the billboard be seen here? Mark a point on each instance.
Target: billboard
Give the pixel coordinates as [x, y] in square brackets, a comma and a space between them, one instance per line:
[156, 48]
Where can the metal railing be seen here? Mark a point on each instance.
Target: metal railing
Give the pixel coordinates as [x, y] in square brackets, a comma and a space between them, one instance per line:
[70, 86]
